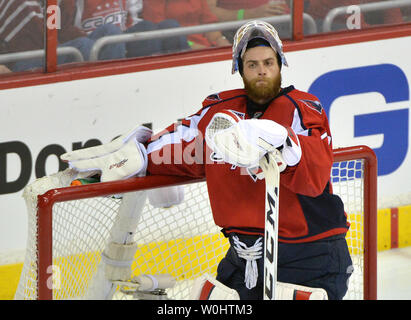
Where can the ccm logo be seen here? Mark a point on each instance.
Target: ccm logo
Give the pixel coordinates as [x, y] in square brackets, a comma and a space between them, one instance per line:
[118, 164]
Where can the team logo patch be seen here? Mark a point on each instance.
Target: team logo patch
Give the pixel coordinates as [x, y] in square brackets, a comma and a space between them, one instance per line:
[315, 105]
[257, 115]
[241, 115]
[214, 97]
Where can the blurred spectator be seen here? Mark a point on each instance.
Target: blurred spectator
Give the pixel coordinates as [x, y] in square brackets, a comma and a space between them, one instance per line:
[98, 18]
[187, 13]
[18, 20]
[82, 23]
[85, 21]
[22, 29]
[319, 9]
[231, 10]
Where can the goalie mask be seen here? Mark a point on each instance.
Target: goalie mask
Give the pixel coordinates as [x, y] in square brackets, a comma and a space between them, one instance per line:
[251, 30]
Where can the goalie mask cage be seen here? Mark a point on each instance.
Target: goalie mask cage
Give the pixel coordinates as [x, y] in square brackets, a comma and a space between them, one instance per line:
[68, 229]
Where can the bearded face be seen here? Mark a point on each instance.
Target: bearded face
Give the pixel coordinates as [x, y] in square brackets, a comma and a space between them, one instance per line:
[261, 74]
[263, 89]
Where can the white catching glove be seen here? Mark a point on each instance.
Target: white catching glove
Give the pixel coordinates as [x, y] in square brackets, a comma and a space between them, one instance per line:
[121, 158]
[244, 142]
[269, 135]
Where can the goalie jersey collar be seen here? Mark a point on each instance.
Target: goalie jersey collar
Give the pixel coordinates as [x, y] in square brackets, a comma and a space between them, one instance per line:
[255, 110]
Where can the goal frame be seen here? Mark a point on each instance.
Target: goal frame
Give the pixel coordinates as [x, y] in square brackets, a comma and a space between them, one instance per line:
[48, 199]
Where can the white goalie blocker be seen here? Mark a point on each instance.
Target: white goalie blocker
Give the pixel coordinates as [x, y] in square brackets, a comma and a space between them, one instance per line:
[122, 158]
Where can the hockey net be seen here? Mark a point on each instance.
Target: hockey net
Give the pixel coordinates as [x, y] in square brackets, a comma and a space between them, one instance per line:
[69, 227]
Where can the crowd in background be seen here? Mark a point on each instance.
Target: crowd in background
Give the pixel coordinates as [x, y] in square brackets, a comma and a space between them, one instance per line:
[83, 22]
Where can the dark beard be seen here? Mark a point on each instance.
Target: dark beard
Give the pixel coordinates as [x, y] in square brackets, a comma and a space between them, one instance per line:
[262, 94]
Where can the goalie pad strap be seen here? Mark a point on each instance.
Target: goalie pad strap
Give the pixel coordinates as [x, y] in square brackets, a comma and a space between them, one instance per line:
[148, 282]
[118, 258]
[152, 280]
[116, 263]
[206, 291]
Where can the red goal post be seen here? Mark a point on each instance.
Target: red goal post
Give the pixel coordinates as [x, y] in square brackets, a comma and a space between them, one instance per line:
[365, 237]
[370, 177]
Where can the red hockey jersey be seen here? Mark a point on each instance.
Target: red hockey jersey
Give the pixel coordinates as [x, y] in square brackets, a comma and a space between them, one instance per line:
[88, 15]
[308, 209]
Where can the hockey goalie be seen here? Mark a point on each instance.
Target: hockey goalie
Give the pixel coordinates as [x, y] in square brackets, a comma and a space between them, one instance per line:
[266, 153]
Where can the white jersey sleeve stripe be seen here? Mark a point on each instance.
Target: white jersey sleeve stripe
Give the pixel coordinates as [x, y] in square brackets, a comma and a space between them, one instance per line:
[182, 133]
[297, 124]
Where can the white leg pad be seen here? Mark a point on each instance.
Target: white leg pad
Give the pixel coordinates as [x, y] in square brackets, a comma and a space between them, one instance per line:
[208, 288]
[289, 291]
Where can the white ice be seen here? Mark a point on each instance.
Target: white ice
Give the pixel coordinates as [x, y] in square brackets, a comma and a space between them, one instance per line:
[394, 274]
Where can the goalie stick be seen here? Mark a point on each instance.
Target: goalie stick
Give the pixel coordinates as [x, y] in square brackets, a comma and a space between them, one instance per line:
[225, 138]
[272, 192]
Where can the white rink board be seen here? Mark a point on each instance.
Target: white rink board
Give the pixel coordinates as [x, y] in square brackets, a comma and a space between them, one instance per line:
[101, 108]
